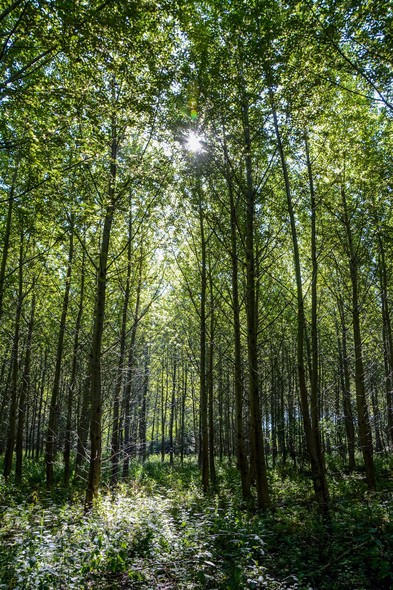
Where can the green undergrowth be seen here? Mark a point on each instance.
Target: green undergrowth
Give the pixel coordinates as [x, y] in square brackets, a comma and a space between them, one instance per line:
[158, 531]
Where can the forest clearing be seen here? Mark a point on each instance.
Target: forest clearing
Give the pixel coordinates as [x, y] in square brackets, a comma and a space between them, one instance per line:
[196, 294]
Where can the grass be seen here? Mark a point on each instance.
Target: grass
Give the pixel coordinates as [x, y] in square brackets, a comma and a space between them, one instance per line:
[159, 531]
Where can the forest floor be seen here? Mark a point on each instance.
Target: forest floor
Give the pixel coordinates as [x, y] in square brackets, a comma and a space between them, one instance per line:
[158, 531]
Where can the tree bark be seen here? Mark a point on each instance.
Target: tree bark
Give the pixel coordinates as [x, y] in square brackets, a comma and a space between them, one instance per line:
[204, 448]
[24, 395]
[53, 407]
[256, 434]
[98, 329]
[210, 379]
[115, 441]
[310, 420]
[346, 389]
[183, 411]
[164, 398]
[387, 341]
[10, 445]
[6, 242]
[5, 402]
[72, 384]
[361, 400]
[238, 377]
[40, 405]
[129, 386]
[83, 422]
[172, 412]
[144, 409]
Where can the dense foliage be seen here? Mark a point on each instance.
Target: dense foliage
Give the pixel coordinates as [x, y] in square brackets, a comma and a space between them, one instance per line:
[196, 261]
[159, 531]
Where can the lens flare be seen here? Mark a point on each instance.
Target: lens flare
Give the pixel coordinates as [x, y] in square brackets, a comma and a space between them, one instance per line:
[194, 142]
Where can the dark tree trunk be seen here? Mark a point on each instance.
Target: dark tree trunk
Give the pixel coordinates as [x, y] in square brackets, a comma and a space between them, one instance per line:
[53, 407]
[256, 434]
[273, 406]
[376, 419]
[9, 452]
[83, 423]
[310, 419]
[221, 416]
[40, 410]
[210, 381]
[72, 384]
[387, 341]
[204, 432]
[129, 386]
[98, 329]
[143, 416]
[164, 398]
[183, 412]
[24, 395]
[4, 404]
[115, 440]
[238, 377]
[361, 400]
[171, 415]
[6, 241]
[346, 389]
[155, 420]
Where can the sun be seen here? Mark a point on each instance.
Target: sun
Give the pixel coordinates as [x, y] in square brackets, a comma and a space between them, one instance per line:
[194, 142]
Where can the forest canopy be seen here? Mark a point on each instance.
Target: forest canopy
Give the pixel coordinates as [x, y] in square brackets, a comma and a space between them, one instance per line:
[196, 243]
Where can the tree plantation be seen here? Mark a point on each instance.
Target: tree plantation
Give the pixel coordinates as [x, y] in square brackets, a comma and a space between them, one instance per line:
[196, 294]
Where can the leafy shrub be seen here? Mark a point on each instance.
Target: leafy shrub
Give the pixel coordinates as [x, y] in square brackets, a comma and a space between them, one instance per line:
[158, 529]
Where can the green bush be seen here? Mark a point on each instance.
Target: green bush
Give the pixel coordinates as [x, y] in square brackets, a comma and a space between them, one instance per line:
[158, 528]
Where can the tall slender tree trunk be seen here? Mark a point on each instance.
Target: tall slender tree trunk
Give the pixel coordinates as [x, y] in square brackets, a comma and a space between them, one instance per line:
[51, 435]
[204, 432]
[376, 419]
[315, 373]
[44, 371]
[129, 390]
[115, 441]
[135, 416]
[164, 396]
[6, 241]
[195, 421]
[256, 434]
[273, 405]
[130, 385]
[155, 421]
[314, 324]
[183, 411]
[171, 415]
[293, 451]
[310, 419]
[361, 399]
[72, 384]
[33, 411]
[346, 388]
[84, 421]
[98, 329]
[25, 392]
[10, 445]
[238, 377]
[4, 403]
[220, 400]
[144, 408]
[210, 381]
[387, 341]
